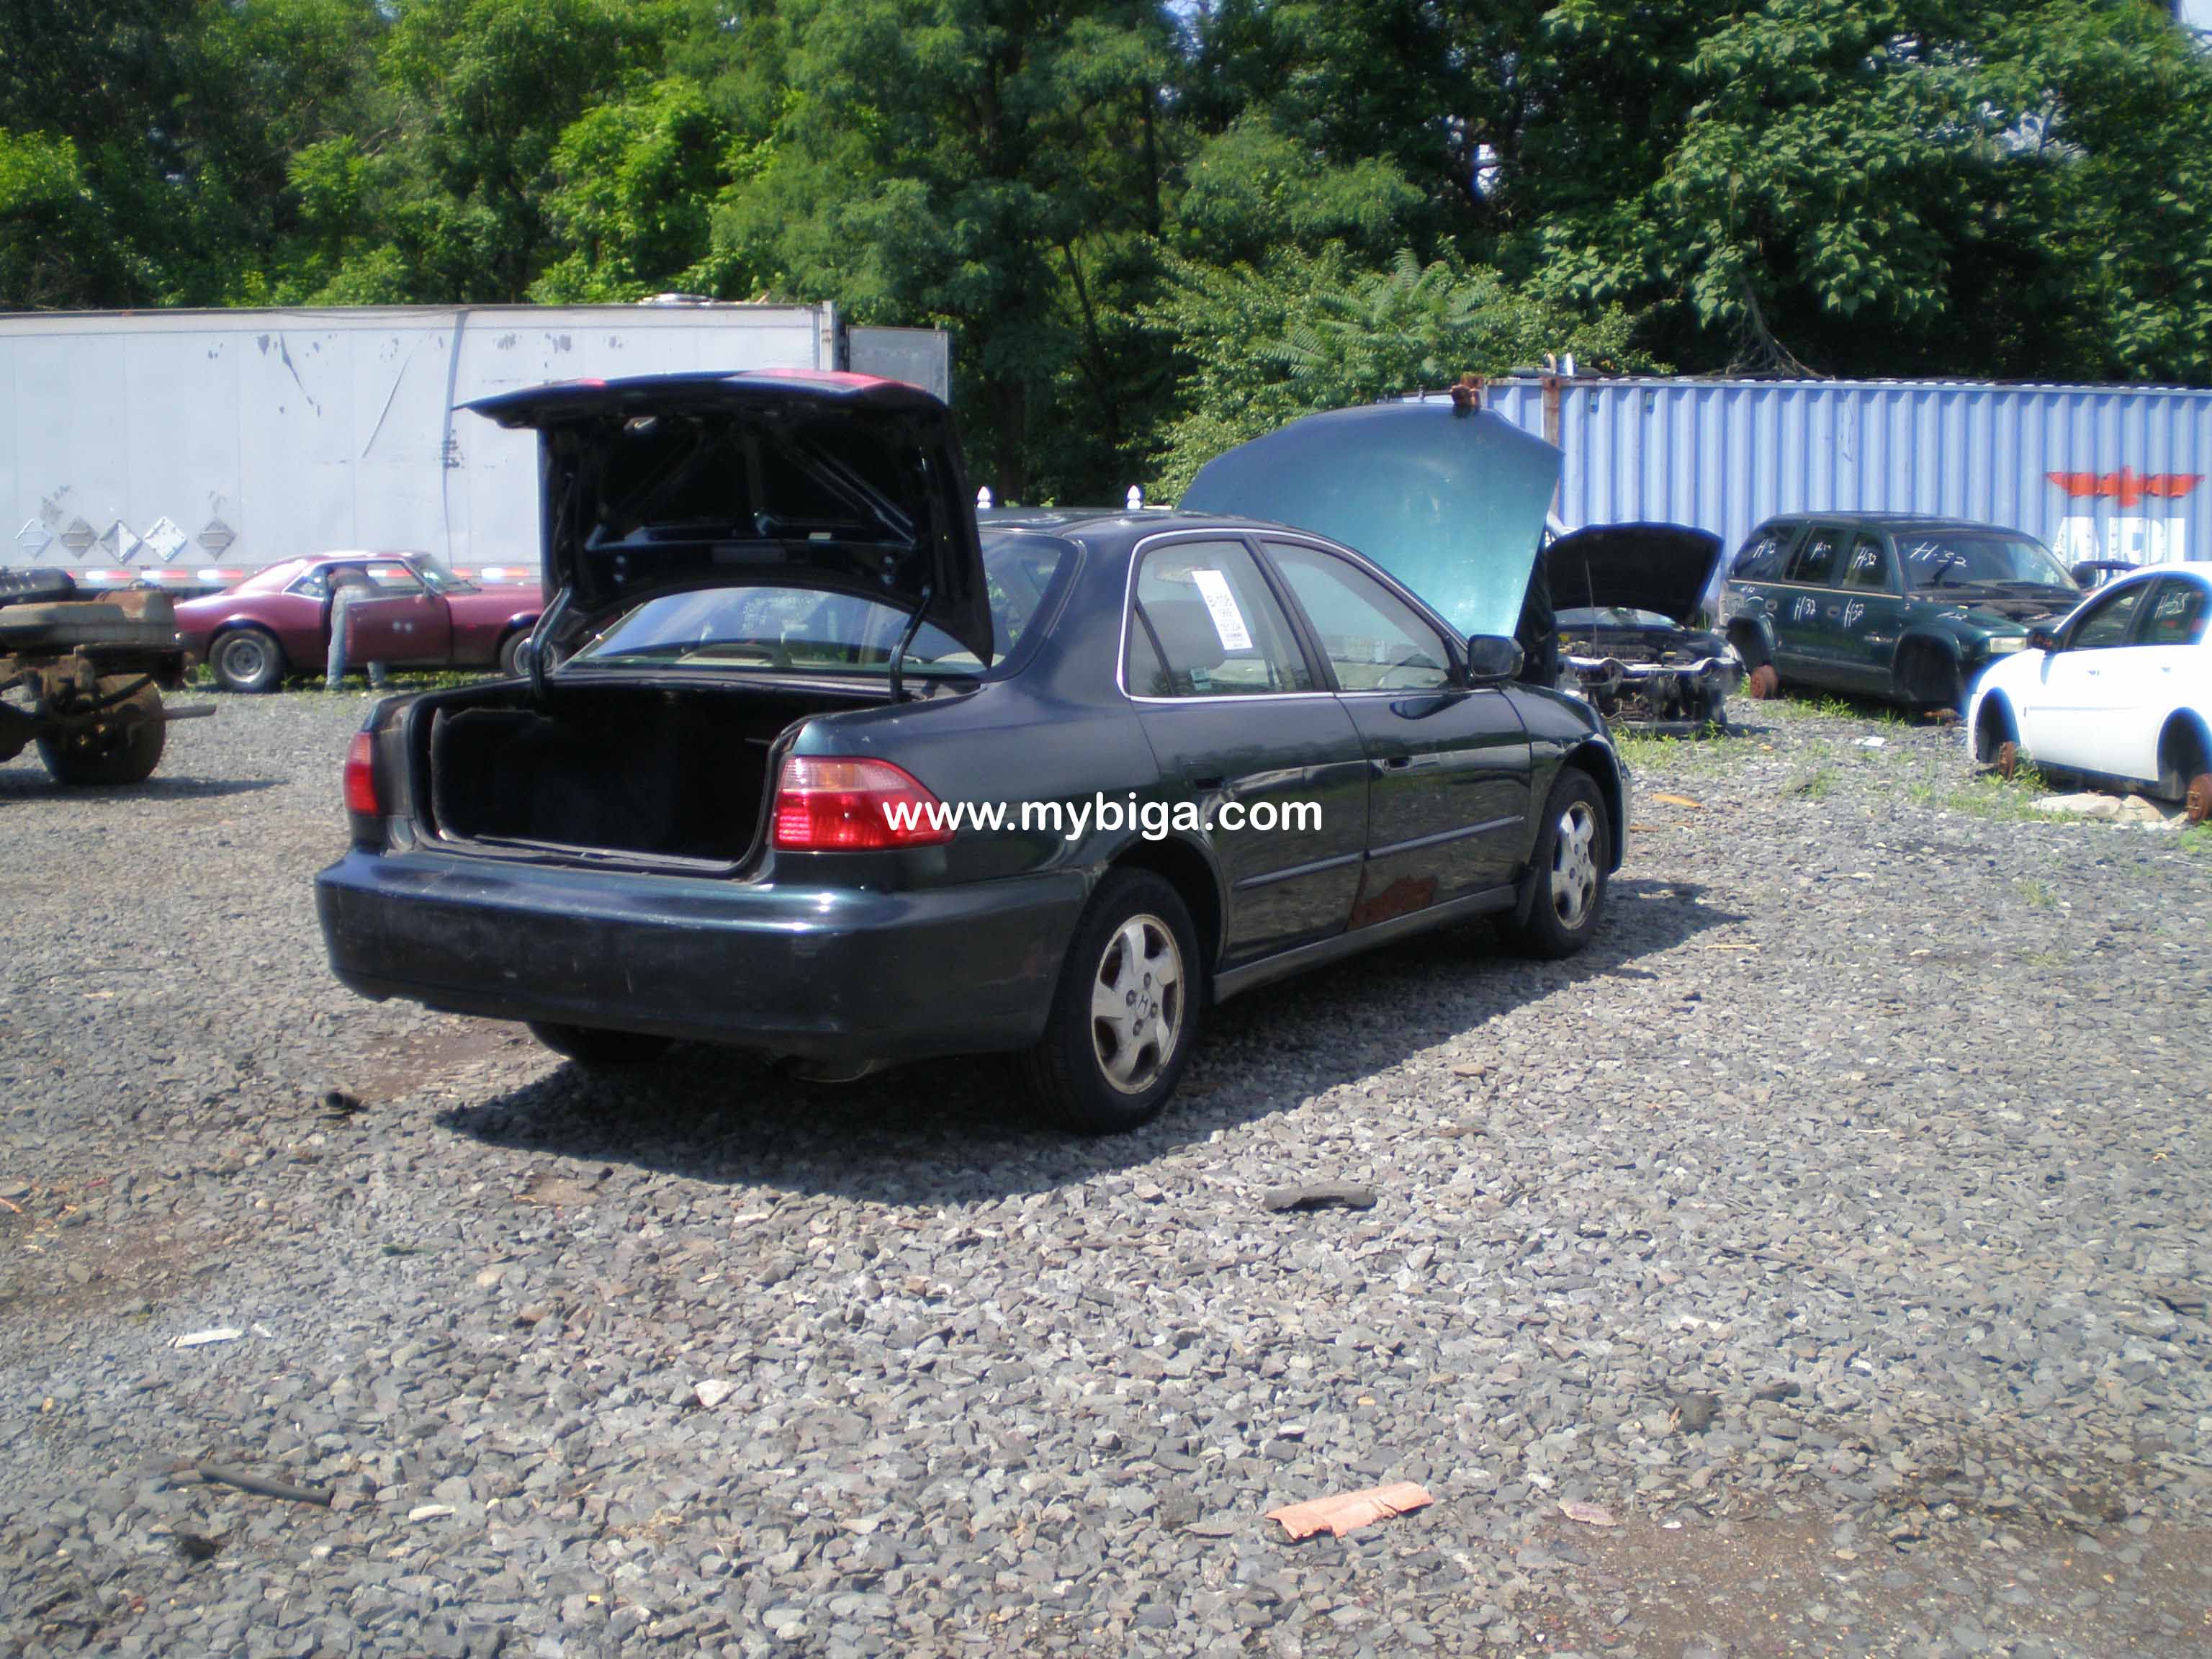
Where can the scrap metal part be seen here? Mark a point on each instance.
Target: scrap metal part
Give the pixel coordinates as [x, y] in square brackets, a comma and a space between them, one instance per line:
[86, 677]
[1693, 691]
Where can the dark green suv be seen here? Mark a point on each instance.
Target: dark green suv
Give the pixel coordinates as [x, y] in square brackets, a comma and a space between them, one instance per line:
[1890, 606]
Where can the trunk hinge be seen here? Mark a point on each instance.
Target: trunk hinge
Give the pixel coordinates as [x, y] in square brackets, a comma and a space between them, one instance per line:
[898, 653]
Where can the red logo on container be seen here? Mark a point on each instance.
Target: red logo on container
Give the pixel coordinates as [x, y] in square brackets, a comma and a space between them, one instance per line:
[2129, 487]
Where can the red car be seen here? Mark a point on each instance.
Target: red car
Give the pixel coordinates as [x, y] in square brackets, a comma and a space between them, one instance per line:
[277, 620]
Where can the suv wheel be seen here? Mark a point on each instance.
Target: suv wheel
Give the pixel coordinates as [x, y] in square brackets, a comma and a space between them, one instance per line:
[1573, 851]
[1126, 1013]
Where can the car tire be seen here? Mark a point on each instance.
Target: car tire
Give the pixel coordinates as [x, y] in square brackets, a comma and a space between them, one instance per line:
[124, 749]
[247, 660]
[591, 1047]
[1764, 683]
[1574, 850]
[510, 653]
[1996, 739]
[1106, 1070]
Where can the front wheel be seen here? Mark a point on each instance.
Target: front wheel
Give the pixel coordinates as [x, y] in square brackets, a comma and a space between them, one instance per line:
[248, 659]
[122, 743]
[1126, 1012]
[1574, 850]
[589, 1046]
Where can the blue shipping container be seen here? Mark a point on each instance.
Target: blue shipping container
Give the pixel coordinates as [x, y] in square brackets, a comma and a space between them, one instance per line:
[2098, 472]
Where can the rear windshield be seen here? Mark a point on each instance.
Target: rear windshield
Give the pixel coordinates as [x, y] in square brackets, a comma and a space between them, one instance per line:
[1969, 558]
[762, 626]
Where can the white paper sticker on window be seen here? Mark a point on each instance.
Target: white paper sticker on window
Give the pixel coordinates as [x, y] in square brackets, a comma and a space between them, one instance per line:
[1221, 606]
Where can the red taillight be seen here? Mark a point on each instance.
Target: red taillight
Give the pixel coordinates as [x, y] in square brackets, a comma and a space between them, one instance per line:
[360, 777]
[832, 806]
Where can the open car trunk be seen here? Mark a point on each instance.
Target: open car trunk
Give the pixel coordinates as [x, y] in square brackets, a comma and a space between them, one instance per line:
[646, 773]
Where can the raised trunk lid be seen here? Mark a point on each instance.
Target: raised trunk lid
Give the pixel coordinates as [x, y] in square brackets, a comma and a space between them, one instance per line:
[841, 483]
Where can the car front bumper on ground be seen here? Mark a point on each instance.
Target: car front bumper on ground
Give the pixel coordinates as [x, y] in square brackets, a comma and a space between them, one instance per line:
[843, 976]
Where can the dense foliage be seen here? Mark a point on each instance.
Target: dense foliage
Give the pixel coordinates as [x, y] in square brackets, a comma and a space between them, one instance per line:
[1155, 228]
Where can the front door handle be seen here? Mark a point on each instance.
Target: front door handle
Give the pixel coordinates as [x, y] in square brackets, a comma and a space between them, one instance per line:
[1396, 762]
[1212, 781]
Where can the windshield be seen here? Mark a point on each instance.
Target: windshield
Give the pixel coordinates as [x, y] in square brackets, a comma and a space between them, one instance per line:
[790, 629]
[1979, 558]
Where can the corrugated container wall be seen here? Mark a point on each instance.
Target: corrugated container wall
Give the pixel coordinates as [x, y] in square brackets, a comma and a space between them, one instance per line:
[241, 438]
[2098, 472]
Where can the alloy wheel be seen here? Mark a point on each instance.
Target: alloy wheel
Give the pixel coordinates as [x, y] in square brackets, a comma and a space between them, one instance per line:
[1137, 1003]
[1574, 865]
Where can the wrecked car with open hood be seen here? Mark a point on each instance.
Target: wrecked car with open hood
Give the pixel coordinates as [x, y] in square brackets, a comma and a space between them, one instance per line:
[805, 763]
[1628, 599]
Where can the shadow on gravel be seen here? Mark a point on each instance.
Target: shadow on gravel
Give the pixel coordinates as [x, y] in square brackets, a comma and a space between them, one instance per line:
[946, 1132]
[29, 782]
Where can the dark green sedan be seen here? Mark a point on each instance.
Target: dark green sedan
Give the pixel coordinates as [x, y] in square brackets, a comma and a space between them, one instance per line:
[1896, 606]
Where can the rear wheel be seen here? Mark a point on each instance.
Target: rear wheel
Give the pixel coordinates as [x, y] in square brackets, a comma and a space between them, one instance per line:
[589, 1046]
[247, 660]
[122, 743]
[1126, 1011]
[510, 653]
[1574, 850]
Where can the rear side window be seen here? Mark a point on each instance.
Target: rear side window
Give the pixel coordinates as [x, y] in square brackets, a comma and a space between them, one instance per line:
[2177, 614]
[1760, 560]
[1205, 624]
[1816, 561]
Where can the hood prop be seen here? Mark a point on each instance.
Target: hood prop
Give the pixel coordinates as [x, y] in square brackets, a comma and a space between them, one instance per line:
[898, 652]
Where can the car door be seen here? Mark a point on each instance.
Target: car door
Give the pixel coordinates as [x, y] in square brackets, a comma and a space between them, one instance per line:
[1801, 650]
[405, 622]
[1237, 711]
[1447, 764]
[2150, 677]
[2082, 692]
[1860, 629]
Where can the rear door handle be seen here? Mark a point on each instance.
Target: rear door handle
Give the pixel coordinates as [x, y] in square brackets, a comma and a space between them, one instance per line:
[1210, 780]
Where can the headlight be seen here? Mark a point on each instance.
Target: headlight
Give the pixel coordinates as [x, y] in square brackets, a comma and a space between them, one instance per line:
[1998, 648]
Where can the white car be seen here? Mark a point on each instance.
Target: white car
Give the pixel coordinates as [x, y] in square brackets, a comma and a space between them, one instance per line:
[2120, 690]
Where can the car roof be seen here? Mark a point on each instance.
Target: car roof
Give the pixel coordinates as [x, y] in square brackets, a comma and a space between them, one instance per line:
[1866, 520]
[1117, 525]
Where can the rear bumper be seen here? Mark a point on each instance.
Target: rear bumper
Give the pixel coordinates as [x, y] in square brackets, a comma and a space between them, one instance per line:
[820, 973]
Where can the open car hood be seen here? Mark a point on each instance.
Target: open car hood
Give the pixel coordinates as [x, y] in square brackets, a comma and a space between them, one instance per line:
[1664, 568]
[837, 482]
[1451, 504]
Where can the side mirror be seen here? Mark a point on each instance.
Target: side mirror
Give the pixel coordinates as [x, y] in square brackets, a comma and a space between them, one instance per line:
[2042, 638]
[1491, 658]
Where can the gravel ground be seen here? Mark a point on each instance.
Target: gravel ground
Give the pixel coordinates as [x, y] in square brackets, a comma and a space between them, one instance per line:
[1836, 1224]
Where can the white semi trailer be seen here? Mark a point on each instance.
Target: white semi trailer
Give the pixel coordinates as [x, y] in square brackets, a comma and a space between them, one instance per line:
[191, 445]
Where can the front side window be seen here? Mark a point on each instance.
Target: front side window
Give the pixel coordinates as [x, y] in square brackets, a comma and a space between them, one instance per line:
[2177, 614]
[761, 625]
[1869, 567]
[1816, 561]
[392, 579]
[1203, 623]
[2107, 623]
[1373, 639]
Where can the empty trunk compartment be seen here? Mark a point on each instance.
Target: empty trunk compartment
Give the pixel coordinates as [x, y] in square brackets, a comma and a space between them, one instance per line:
[661, 772]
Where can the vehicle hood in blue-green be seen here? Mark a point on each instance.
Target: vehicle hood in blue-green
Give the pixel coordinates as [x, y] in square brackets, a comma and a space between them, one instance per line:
[1451, 503]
